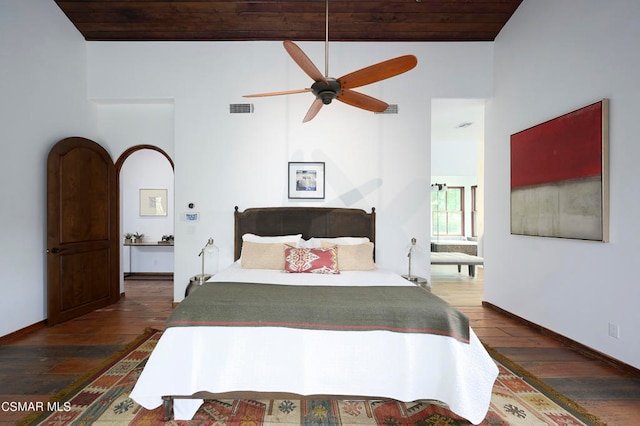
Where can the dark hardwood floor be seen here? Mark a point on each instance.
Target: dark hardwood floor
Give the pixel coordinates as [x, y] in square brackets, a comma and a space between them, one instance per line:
[35, 366]
[611, 394]
[40, 364]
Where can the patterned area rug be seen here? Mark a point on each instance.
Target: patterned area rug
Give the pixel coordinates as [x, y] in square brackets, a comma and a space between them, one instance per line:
[518, 399]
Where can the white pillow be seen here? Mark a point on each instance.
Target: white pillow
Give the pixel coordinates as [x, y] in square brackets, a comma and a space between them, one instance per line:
[291, 239]
[316, 242]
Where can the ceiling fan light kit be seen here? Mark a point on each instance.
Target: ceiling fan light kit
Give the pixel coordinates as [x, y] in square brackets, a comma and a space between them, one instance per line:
[326, 91]
[326, 88]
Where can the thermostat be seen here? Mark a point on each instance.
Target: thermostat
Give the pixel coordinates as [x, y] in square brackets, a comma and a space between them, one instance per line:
[192, 216]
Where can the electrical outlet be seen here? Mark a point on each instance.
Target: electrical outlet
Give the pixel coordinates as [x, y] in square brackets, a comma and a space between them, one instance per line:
[614, 331]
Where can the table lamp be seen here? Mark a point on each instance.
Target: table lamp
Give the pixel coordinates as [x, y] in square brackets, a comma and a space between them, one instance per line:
[413, 250]
[209, 249]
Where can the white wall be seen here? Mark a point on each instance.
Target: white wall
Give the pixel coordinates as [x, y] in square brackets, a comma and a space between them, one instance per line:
[456, 150]
[122, 124]
[552, 58]
[224, 160]
[44, 99]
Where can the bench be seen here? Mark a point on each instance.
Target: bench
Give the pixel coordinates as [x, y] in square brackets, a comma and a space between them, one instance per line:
[461, 245]
[454, 258]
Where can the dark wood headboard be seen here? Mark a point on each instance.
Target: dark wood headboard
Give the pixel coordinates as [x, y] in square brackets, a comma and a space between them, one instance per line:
[325, 222]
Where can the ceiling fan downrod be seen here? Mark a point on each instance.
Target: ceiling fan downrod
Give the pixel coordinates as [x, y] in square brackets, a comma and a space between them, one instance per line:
[326, 40]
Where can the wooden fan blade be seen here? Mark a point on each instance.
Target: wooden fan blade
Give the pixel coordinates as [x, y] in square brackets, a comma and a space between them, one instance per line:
[313, 111]
[286, 92]
[303, 61]
[379, 71]
[360, 100]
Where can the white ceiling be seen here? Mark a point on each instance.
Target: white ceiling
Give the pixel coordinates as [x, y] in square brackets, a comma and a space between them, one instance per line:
[448, 118]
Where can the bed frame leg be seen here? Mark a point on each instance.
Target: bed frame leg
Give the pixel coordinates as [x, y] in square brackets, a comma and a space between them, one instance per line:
[167, 407]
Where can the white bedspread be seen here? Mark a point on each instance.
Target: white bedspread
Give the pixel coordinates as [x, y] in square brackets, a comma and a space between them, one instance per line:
[402, 366]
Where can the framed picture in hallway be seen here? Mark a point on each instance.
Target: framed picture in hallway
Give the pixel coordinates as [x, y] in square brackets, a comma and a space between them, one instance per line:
[306, 180]
[153, 202]
[559, 176]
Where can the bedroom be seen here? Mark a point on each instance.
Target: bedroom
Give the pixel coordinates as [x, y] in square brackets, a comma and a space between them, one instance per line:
[54, 78]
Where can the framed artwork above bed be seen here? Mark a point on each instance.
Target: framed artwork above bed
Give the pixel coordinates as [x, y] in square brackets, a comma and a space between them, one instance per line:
[306, 180]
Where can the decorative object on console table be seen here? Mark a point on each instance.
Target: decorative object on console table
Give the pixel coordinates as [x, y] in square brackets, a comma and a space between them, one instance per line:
[133, 238]
[166, 240]
[306, 180]
[420, 281]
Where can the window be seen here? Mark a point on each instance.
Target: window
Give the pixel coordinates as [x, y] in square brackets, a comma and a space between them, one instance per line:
[474, 211]
[447, 211]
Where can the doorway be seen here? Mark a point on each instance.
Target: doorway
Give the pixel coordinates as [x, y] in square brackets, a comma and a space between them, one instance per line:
[457, 163]
[146, 194]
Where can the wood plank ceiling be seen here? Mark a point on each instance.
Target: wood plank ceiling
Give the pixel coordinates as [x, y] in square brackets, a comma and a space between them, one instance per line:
[298, 20]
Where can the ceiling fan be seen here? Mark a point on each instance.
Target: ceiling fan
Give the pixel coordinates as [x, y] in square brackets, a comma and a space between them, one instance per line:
[326, 88]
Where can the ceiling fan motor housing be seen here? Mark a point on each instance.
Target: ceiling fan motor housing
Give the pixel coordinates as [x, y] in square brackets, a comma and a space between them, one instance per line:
[326, 92]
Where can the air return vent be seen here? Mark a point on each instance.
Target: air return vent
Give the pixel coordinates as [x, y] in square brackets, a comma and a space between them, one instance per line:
[241, 108]
[391, 109]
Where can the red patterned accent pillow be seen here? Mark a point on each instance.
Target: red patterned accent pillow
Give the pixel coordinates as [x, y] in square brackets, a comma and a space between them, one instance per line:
[312, 260]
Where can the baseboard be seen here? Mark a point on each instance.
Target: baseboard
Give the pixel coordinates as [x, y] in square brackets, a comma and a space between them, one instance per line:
[143, 276]
[583, 349]
[22, 332]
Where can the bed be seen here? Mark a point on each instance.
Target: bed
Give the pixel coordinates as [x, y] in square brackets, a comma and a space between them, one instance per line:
[314, 345]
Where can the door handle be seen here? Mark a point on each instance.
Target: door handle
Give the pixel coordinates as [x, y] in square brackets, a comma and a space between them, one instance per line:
[55, 250]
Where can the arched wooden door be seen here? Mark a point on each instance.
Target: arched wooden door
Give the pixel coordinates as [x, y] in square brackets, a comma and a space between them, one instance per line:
[82, 229]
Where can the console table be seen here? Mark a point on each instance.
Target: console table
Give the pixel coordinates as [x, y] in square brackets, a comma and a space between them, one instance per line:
[142, 244]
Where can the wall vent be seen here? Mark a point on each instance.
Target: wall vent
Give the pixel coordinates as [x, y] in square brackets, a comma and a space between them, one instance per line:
[391, 109]
[241, 108]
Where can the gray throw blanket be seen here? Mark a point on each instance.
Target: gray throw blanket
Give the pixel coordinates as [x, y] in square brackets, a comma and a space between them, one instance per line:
[398, 309]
